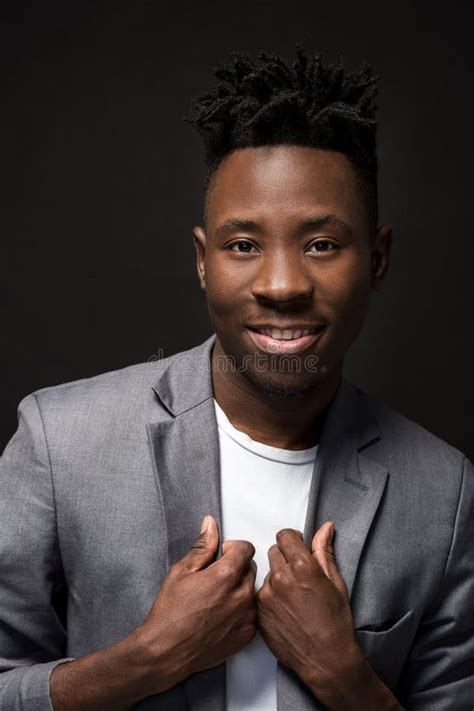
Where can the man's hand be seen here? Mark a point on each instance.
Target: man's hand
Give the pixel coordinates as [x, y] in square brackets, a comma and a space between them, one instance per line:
[205, 611]
[305, 618]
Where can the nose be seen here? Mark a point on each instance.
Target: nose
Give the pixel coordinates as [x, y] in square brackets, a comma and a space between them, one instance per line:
[282, 278]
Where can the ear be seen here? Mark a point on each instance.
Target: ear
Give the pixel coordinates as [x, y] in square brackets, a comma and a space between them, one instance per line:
[380, 251]
[200, 245]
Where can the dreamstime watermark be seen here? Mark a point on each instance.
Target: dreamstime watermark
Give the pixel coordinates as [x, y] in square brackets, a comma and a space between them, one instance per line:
[256, 362]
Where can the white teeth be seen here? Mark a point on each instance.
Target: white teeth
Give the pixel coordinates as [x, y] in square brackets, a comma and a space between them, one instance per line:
[287, 334]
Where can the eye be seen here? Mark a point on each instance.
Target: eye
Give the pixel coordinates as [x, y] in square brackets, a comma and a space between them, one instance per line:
[248, 245]
[324, 245]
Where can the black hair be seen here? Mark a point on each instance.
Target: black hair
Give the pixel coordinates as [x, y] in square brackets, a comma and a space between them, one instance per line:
[268, 102]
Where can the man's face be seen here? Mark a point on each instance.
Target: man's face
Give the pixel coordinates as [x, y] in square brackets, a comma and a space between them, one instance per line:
[287, 246]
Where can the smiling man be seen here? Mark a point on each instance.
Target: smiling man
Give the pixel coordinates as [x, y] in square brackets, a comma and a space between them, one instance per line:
[241, 528]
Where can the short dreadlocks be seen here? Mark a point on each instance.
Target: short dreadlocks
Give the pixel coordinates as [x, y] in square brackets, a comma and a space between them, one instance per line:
[267, 102]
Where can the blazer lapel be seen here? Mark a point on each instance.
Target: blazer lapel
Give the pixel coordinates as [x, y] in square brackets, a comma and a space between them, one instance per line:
[185, 447]
[346, 488]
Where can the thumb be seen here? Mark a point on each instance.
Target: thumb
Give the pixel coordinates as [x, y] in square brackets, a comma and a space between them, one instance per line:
[204, 548]
[323, 550]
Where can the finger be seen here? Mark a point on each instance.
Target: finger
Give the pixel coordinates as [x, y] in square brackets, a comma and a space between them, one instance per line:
[204, 548]
[250, 575]
[238, 553]
[323, 551]
[264, 587]
[276, 558]
[321, 548]
[251, 572]
[290, 542]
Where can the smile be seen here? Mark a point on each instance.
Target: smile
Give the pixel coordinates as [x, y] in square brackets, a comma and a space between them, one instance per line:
[284, 342]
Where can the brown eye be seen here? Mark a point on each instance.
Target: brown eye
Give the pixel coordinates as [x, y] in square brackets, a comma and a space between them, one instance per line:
[324, 245]
[248, 246]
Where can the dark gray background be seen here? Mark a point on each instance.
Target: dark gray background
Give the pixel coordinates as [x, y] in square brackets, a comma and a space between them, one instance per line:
[103, 185]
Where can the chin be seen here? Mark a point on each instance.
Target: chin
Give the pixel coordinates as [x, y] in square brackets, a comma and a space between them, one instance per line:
[279, 389]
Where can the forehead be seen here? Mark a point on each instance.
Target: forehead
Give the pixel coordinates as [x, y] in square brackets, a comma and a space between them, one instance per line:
[295, 179]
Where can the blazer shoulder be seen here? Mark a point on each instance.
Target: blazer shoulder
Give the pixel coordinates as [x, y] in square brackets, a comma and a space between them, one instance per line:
[122, 393]
[119, 402]
[109, 382]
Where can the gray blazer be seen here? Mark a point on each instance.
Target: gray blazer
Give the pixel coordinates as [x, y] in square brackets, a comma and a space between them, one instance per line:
[106, 481]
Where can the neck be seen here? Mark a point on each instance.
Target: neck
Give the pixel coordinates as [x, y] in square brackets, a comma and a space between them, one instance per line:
[292, 423]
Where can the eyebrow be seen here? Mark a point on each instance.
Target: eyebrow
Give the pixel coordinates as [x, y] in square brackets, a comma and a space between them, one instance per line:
[311, 223]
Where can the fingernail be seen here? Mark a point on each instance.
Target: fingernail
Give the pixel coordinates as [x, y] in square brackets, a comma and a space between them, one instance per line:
[205, 524]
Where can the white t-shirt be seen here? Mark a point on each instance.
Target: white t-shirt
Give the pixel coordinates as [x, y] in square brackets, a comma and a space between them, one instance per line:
[263, 489]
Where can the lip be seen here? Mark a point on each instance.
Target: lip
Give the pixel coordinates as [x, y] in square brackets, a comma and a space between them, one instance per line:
[283, 347]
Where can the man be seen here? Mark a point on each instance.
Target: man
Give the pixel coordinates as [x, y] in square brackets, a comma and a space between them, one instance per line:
[334, 567]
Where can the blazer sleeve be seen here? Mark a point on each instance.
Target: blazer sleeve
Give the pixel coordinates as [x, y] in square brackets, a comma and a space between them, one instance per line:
[439, 674]
[32, 586]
